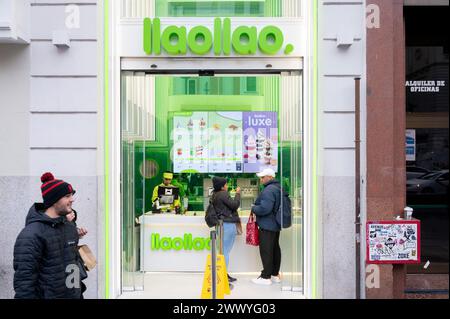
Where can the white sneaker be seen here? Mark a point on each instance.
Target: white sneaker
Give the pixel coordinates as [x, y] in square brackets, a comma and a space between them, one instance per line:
[262, 281]
[276, 279]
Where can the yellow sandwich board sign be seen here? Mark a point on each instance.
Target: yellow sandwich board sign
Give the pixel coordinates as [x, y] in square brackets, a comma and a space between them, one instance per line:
[223, 287]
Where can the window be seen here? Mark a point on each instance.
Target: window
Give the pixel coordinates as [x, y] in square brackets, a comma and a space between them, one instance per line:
[427, 114]
[191, 87]
[215, 86]
[251, 85]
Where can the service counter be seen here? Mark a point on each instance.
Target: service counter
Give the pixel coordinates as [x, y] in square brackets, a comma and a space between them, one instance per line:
[172, 242]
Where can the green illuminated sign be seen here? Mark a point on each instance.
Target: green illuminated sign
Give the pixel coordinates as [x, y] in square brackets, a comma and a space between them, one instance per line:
[200, 40]
[187, 242]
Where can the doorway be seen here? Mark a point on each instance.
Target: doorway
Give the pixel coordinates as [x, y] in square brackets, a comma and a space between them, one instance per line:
[214, 114]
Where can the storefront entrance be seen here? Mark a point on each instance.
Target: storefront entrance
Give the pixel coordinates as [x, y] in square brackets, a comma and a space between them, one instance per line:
[197, 126]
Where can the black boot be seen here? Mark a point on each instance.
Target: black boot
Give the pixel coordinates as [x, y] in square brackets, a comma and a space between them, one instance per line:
[231, 279]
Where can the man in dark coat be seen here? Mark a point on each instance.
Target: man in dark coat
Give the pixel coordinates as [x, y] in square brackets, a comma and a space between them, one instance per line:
[46, 260]
[265, 209]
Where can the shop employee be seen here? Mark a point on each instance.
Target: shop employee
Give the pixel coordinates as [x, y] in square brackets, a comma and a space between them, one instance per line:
[175, 204]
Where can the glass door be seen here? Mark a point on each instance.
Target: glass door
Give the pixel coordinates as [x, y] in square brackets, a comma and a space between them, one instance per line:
[291, 137]
[232, 126]
[135, 112]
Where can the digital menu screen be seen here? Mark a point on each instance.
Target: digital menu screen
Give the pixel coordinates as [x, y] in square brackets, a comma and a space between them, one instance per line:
[225, 142]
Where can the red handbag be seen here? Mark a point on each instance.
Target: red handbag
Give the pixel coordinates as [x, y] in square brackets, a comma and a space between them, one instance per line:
[252, 235]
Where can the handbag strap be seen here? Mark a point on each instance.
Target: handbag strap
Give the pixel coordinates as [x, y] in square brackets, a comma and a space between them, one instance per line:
[211, 202]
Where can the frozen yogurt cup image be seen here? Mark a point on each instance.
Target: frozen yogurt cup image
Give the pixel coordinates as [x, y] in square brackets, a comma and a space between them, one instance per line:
[202, 123]
[268, 145]
[199, 150]
[251, 143]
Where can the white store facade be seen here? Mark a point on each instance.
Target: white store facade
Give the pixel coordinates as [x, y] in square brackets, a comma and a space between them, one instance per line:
[112, 107]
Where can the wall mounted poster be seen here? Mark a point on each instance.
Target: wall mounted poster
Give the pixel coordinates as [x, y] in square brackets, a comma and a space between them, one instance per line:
[225, 142]
[393, 242]
[260, 141]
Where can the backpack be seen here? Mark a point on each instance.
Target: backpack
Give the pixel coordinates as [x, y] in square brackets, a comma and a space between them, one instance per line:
[284, 212]
[211, 217]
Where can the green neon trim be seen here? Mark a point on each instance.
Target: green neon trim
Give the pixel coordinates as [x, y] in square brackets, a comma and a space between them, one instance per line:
[106, 141]
[315, 209]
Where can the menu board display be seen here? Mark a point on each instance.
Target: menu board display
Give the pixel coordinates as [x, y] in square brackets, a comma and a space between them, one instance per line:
[225, 142]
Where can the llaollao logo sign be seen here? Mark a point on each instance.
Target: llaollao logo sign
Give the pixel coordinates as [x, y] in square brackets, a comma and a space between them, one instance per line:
[187, 242]
[223, 39]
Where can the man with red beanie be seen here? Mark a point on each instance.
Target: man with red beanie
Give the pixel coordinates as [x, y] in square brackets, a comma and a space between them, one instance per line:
[47, 264]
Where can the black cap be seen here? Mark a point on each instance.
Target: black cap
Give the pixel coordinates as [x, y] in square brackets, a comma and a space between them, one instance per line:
[54, 189]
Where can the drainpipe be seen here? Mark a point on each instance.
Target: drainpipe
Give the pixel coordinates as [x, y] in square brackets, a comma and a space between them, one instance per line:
[357, 188]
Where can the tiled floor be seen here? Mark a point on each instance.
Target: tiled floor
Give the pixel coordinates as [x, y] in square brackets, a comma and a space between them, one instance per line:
[189, 286]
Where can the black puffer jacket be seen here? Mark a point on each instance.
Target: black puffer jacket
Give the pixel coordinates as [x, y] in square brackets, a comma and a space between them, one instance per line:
[45, 249]
[226, 207]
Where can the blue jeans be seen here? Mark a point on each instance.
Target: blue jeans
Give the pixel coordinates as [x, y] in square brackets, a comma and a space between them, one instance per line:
[229, 235]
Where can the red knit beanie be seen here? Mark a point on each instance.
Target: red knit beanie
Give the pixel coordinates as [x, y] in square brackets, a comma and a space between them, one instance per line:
[54, 189]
